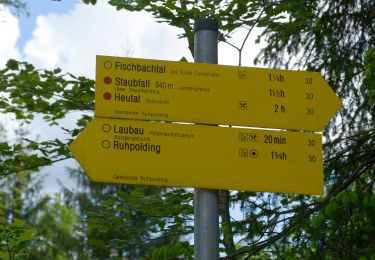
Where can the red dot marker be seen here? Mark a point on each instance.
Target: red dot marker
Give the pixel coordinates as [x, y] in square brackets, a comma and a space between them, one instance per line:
[107, 80]
[107, 96]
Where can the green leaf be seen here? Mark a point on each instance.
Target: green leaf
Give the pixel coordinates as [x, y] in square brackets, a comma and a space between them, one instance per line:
[12, 64]
[331, 209]
[284, 201]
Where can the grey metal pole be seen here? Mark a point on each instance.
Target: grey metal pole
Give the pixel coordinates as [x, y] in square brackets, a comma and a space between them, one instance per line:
[206, 201]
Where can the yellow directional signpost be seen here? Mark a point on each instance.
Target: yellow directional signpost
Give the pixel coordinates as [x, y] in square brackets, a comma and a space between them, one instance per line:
[212, 94]
[123, 150]
[139, 152]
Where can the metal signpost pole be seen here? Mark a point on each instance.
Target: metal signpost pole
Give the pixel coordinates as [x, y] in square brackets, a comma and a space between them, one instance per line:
[206, 202]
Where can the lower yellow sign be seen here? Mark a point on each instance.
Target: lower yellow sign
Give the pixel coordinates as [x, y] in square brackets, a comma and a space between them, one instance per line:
[167, 154]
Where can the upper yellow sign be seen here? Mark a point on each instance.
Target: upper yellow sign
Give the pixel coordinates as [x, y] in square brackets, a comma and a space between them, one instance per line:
[138, 152]
[212, 94]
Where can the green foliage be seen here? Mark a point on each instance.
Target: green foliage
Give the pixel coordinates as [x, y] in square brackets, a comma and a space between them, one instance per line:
[14, 159]
[369, 77]
[17, 6]
[308, 37]
[344, 228]
[27, 91]
[178, 250]
[14, 238]
[58, 231]
[35, 227]
[143, 222]
[90, 1]
[15, 233]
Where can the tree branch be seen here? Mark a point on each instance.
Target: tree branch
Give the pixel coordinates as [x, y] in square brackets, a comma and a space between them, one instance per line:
[35, 166]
